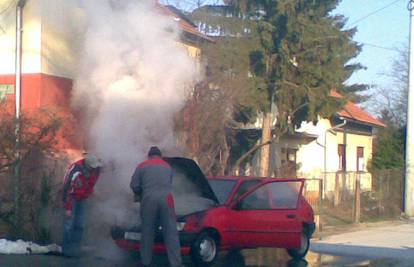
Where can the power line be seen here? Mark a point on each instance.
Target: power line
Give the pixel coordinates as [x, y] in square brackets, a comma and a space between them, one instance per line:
[380, 47]
[373, 13]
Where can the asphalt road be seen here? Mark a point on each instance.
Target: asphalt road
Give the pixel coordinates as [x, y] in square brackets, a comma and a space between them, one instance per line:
[393, 242]
[250, 258]
[391, 245]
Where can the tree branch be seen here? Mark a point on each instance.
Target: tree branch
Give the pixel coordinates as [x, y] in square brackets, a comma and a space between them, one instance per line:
[299, 108]
[289, 83]
[248, 153]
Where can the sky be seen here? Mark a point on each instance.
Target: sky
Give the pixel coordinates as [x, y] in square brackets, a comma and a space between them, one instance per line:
[382, 33]
[383, 27]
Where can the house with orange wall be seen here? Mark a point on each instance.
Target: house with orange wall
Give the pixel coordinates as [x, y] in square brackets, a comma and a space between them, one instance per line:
[48, 57]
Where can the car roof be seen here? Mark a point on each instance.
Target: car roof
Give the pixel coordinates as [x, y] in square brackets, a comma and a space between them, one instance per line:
[239, 178]
[232, 177]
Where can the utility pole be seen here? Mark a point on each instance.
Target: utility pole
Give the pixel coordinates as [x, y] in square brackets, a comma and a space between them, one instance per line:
[409, 157]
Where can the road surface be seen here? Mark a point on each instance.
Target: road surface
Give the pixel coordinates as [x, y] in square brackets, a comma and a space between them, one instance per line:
[393, 242]
[391, 245]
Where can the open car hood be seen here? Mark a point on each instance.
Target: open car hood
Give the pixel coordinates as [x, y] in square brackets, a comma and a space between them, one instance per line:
[188, 179]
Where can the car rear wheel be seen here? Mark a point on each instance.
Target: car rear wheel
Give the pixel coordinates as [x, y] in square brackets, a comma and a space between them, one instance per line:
[204, 251]
[301, 252]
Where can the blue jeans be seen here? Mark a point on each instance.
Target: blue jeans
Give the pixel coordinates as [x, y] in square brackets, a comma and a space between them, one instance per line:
[73, 228]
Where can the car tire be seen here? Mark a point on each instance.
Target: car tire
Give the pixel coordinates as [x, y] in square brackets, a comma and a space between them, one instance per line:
[303, 250]
[204, 250]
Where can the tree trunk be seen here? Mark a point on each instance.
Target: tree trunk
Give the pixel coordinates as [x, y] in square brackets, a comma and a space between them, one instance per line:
[235, 169]
[224, 156]
[266, 137]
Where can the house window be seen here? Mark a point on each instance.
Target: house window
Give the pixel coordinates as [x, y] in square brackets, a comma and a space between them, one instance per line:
[6, 89]
[342, 158]
[360, 159]
[288, 160]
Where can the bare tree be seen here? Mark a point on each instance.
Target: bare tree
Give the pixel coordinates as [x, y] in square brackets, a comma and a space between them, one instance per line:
[203, 126]
[391, 101]
[37, 139]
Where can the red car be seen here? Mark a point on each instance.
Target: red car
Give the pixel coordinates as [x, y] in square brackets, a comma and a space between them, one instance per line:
[235, 213]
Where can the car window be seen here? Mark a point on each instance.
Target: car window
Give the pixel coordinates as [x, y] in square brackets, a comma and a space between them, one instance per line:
[257, 200]
[245, 186]
[275, 195]
[222, 188]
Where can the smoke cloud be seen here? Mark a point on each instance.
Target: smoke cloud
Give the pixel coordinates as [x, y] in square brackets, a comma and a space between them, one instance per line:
[132, 77]
[131, 80]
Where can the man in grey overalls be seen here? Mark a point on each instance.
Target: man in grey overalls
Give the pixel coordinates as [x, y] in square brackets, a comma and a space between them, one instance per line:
[152, 183]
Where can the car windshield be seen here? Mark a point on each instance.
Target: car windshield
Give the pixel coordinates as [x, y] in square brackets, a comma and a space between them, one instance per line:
[222, 188]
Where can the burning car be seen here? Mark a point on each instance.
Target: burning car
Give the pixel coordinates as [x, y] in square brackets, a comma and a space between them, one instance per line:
[231, 213]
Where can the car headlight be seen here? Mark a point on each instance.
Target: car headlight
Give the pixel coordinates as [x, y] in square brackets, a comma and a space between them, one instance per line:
[180, 226]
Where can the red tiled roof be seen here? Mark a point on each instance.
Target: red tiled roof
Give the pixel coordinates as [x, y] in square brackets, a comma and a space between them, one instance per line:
[352, 111]
[184, 25]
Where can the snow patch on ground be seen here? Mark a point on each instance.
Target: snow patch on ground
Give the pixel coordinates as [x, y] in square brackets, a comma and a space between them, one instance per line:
[23, 247]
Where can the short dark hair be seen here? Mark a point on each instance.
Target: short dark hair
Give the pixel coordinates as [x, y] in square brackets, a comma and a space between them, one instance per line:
[154, 151]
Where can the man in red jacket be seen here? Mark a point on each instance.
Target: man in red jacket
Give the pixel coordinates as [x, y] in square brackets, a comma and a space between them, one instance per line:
[80, 179]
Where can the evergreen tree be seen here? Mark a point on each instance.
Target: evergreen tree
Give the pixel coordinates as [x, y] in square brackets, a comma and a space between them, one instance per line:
[389, 145]
[227, 98]
[301, 55]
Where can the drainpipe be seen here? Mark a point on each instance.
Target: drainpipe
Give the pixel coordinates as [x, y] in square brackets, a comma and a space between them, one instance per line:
[17, 165]
[324, 153]
[19, 31]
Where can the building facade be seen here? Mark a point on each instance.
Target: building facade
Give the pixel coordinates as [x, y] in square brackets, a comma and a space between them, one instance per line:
[335, 151]
[50, 46]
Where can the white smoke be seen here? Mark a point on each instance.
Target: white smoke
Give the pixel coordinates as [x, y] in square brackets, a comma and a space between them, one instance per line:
[131, 79]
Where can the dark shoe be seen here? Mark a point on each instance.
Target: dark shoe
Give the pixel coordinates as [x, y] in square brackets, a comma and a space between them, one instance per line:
[143, 265]
[67, 255]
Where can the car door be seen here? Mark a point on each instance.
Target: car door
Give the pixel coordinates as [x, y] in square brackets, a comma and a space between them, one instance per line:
[267, 216]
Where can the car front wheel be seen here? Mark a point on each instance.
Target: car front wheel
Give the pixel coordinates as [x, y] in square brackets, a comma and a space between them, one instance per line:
[204, 251]
[301, 252]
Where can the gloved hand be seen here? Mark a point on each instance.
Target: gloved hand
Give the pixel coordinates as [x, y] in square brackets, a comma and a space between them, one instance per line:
[68, 213]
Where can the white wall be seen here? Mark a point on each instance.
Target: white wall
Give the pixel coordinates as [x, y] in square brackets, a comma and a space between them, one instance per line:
[52, 36]
[312, 156]
[62, 24]
[31, 60]
[354, 141]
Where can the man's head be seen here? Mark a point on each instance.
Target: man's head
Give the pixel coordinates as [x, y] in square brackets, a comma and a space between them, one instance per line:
[92, 161]
[154, 152]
